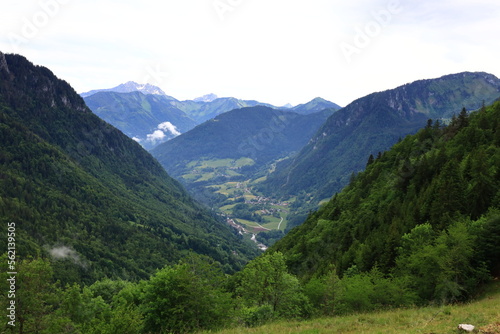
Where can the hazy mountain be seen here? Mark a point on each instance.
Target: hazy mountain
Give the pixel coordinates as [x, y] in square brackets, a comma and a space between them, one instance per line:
[315, 105]
[149, 116]
[129, 87]
[202, 111]
[206, 98]
[86, 195]
[372, 124]
[260, 133]
[149, 119]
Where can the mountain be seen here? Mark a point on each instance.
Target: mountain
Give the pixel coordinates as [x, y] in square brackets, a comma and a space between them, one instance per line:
[372, 124]
[85, 195]
[315, 105]
[149, 119]
[129, 87]
[206, 98]
[425, 214]
[260, 133]
[146, 114]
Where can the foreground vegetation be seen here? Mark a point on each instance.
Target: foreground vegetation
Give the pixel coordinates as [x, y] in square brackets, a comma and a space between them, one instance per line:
[483, 313]
[195, 295]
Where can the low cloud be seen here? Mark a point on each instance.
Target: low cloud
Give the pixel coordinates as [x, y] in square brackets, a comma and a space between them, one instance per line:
[167, 126]
[66, 253]
[156, 136]
[160, 133]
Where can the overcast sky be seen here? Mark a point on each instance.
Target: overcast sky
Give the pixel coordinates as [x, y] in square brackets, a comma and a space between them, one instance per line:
[275, 51]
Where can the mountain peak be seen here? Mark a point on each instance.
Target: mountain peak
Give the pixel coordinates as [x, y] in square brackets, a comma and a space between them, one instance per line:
[129, 87]
[315, 105]
[206, 98]
[132, 86]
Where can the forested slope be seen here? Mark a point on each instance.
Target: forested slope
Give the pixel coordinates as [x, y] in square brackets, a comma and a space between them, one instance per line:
[426, 212]
[80, 191]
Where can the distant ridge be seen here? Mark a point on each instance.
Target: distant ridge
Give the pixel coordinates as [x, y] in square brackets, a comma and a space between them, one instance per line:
[140, 111]
[206, 98]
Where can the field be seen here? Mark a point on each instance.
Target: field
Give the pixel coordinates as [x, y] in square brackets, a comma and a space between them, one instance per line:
[483, 313]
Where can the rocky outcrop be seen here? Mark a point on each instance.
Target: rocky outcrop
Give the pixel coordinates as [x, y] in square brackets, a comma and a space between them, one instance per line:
[3, 63]
[466, 327]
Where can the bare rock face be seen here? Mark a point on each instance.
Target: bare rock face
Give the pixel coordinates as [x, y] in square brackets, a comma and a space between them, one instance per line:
[466, 328]
[3, 63]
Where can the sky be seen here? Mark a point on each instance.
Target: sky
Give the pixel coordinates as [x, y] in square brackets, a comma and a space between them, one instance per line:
[273, 51]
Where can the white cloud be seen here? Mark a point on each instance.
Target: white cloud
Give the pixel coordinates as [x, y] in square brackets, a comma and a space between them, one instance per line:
[64, 252]
[167, 126]
[157, 135]
[160, 133]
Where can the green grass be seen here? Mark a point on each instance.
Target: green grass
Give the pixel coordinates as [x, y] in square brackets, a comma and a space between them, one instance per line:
[205, 170]
[274, 222]
[206, 177]
[438, 320]
[191, 177]
[261, 179]
[253, 227]
[244, 162]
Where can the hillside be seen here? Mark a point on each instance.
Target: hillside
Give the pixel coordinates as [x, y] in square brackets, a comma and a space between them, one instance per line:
[372, 124]
[427, 212]
[147, 118]
[84, 194]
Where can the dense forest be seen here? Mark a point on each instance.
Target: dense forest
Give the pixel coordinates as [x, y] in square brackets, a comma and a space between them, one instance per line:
[424, 214]
[420, 225]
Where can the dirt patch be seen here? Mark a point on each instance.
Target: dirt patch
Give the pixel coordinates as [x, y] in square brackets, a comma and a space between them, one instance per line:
[490, 329]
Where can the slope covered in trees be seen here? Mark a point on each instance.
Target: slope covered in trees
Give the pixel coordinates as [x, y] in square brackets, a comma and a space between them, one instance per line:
[425, 214]
[83, 194]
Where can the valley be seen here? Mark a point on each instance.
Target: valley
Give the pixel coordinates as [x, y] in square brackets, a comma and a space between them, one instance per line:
[219, 227]
[234, 196]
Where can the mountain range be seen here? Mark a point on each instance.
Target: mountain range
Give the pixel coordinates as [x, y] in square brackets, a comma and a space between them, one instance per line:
[146, 114]
[85, 195]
